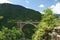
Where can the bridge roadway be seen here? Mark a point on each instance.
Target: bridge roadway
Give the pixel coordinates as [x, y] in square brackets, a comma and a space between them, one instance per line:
[20, 24]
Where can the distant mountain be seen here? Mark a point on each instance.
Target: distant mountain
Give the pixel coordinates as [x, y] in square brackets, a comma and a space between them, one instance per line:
[11, 11]
[57, 15]
[16, 12]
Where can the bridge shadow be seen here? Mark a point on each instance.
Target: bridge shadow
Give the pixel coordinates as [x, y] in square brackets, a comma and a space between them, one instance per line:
[28, 30]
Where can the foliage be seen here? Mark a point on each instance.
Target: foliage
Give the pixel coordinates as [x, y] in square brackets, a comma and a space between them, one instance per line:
[28, 31]
[10, 34]
[1, 17]
[45, 26]
[58, 21]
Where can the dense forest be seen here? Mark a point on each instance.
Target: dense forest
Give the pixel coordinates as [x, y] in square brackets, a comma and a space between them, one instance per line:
[10, 13]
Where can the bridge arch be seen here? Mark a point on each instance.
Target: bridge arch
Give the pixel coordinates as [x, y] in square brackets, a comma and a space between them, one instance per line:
[28, 30]
[22, 26]
[30, 24]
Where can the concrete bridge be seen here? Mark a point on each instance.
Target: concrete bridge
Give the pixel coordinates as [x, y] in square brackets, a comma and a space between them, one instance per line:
[20, 24]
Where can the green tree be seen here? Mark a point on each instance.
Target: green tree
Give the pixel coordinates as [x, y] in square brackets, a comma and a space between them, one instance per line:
[45, 26]
[10, 34]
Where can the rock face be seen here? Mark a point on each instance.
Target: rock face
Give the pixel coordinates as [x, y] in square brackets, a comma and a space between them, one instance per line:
[56, 33]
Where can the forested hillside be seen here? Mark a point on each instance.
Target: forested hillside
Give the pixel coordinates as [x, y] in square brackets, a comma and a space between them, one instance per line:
[11, 12]
[57, 15]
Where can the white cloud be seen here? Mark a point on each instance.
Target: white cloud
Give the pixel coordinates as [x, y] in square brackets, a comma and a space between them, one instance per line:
[56, 8]
[52, 6]
[41, 5]
[55, 0]
[5, 1]
[27, 1]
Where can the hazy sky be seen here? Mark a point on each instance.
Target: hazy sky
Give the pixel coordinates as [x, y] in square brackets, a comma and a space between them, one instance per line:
[38, 5]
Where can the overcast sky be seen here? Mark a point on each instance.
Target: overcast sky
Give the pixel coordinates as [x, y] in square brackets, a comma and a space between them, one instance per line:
[38, 5]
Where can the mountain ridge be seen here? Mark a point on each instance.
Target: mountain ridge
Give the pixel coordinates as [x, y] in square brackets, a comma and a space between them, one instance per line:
[14, 12]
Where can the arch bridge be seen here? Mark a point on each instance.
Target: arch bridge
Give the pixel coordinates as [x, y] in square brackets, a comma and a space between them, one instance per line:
[20, 24]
